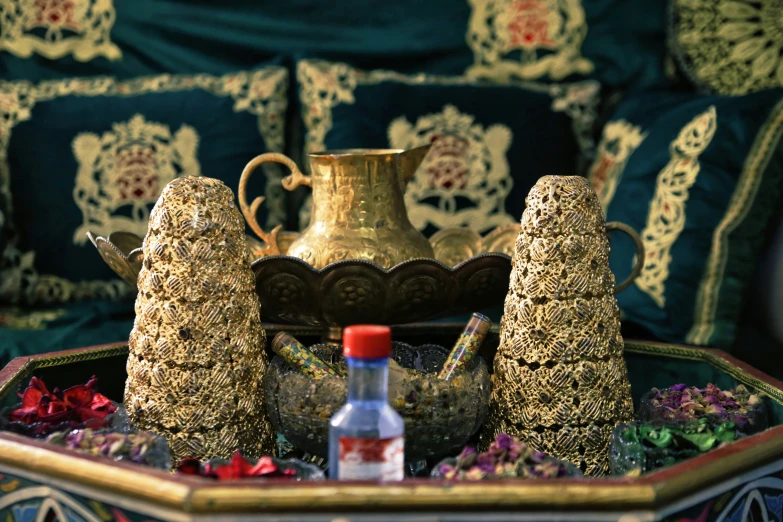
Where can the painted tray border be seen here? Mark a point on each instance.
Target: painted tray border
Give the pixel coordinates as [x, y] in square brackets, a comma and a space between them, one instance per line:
[194, 495]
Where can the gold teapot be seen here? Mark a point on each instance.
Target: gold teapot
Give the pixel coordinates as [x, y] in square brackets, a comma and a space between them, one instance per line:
[358, 206]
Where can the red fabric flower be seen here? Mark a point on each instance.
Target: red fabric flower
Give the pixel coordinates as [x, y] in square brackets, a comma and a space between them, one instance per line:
[79, 403]
[236, 468]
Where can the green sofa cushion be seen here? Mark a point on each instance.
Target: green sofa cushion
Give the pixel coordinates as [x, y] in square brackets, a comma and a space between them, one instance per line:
[617, 42]
[699, 177]
[93, 155]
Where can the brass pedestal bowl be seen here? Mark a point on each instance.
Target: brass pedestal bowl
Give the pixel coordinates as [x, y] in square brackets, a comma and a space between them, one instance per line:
[468, 273]
[440, 416]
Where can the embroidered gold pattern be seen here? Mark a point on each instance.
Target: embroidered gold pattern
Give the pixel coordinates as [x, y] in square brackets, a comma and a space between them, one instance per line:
[126, 168]
[57, 28]
[765, 144]
[732, 47]
[17, 319]
[666, 217]
[527, 39]
[325, 85]
[261, 93]
[619, 140]
[466, 163]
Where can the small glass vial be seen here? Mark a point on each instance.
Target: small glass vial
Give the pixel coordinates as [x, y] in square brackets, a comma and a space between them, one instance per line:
[366, 437]
[467, 346]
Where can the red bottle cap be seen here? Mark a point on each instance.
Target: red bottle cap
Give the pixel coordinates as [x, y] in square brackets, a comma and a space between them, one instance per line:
[367, 341]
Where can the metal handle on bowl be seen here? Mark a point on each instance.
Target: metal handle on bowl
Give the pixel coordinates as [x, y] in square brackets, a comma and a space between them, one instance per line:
[637, 241]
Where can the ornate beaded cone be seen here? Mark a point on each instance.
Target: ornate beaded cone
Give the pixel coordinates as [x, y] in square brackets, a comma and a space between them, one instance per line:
[197, 347]
[560, 381]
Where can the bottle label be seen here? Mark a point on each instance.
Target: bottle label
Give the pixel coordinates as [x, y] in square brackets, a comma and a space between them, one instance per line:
[371, 459]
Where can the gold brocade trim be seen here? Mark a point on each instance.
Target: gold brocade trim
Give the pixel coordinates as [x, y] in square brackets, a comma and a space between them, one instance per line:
[17, 319]
[325, 85]
[741, 202]
[261, 93]
[730, 46]
[57, 28]
[619, 141]
[527, 39]
[666, 217]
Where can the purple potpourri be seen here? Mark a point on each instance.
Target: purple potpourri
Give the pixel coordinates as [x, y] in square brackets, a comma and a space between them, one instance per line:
[506, 457]
[682, 403]
[143, 448]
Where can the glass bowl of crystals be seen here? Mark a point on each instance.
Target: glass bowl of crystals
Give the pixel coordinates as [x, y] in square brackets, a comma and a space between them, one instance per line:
[441, 410]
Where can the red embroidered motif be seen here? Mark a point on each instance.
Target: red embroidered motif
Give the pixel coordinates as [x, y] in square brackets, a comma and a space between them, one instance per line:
[529, 25]
[601, 170]
[54, 14]
[136, 174]
[447, 163]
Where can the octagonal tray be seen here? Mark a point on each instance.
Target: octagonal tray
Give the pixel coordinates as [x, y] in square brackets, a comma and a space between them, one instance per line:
[741, 481]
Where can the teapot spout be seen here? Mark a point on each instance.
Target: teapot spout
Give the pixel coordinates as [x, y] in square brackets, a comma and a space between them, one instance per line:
[410, 161]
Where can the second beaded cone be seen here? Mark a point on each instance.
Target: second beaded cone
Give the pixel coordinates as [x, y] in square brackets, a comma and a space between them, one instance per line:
[197, 347]
[560, 382]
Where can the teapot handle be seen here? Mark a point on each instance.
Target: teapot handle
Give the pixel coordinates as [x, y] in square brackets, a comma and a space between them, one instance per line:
[290, 182]
[639, 264]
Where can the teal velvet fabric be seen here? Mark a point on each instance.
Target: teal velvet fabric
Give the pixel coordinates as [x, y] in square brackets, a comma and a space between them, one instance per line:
[489, 143]
[153, 36]
[63, 327]
[627, 42]
[617, 42]
[698, 177]
[93, 155]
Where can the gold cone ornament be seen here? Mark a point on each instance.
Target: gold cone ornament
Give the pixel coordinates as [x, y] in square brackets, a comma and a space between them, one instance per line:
[560, 382]
[197, 347]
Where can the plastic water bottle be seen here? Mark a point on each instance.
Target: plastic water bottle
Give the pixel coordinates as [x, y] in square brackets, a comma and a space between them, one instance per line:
[366, 437]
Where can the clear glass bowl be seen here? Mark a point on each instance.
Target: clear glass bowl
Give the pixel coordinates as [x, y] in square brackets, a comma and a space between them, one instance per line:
[440, 416]
[633, 451]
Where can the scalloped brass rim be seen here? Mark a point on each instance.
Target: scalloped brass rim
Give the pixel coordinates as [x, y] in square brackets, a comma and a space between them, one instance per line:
[385, 271]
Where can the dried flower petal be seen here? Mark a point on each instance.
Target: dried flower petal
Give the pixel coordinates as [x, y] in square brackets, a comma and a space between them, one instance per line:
[76, 404]
[237, 468]
[506, 457]
[688, 404]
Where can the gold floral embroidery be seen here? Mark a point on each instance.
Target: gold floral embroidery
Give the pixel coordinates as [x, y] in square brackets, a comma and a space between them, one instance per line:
[466, 163]
[17, 319]
[57, 28]
[707, 299]
[666, 218]
[261, 93]
[322, 87]
[579, 101]
[126, 168]
[527, 39]
[619, 140]
[730, 46]
[325, 85]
